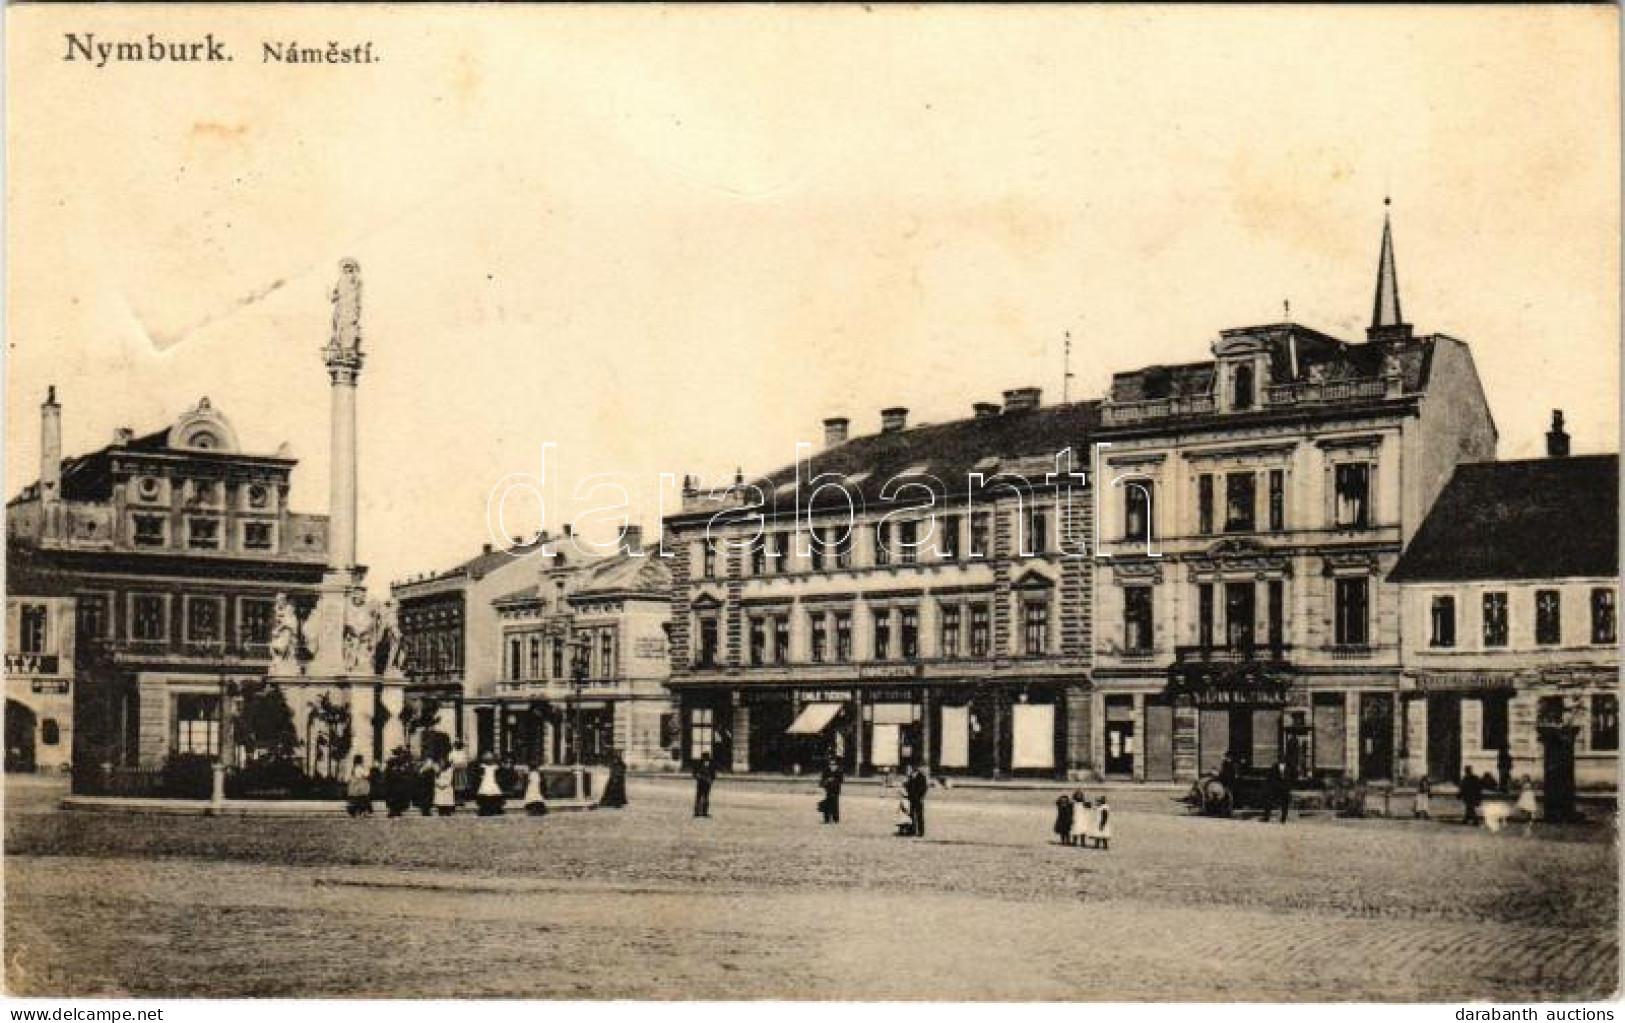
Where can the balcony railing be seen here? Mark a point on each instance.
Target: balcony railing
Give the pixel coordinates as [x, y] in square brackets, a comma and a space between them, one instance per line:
[1233, 654]
[1306, 393]
[1126, 413]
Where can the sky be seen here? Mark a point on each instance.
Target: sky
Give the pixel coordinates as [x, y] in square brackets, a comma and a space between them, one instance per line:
[674, 240]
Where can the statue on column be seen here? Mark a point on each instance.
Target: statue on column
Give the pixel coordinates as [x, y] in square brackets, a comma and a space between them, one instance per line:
[346, 299]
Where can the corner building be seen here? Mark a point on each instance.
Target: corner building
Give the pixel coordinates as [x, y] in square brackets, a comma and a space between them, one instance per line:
[919, 595]
[1252, 506]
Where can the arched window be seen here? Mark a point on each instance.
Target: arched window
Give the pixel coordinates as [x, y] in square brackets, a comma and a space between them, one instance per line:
[1242, 392]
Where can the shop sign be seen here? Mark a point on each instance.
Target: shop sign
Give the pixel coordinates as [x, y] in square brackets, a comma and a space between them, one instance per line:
[1465, 683]
[31, 664]
[824, 695]
[650, 646]
[51, 686]
[888, 671]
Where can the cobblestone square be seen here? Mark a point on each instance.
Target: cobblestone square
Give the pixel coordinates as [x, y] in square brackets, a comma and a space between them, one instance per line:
[762, 901]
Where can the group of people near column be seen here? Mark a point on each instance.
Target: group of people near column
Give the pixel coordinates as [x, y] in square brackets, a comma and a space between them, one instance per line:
[1083, 822]
[444, 785]
[1475, 807]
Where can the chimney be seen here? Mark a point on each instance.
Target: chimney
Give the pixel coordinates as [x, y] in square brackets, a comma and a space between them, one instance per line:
[485, 548]
[986, 409]
[569, 529]
[632, 538]
[50, 448]
[123, 435]
[835, 431]
[1021, 399]
[893, 419]
[1557, 439]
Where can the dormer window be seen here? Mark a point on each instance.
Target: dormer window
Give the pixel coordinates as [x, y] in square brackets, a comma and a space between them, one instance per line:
[1241, 388]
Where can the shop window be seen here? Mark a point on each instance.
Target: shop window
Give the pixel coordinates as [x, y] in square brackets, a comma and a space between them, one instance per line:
[1352, 487]
[980, 524]
[979, 635]
[197, 724]
[150, 531]
[843, 636]
[882, 618]
[1603, 629]
[1204, 504]
[1137, 510]
[1035, 622]
[1137, 623]
[1605, 722]
[1277, 500]
[1548, 617]
[701, 732]
[909, 633]
[758, 640]
[31, 633]
[1493, 718]
[1495, 619]
[819, 636]
[950, 631]
[1443, 622]
[1240, 496]
[50, 733]
[1352, 615]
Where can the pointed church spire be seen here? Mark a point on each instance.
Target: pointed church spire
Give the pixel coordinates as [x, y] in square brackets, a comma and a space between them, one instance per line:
[1387, 323]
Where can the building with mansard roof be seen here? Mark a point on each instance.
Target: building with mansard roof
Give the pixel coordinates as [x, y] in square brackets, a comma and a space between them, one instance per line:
[1251, 507]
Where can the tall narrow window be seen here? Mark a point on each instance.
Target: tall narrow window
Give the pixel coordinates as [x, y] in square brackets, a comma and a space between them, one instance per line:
[515, 662]
[1277, 615]
[815, 549]
[1605, 722]
[781, 552]
[1351, 612]
[708, 559]
[758, 556]
[31, 634]
[1495, 619]
[1240, 615]
[1204, 503]
[949, 541]
[1277, 500]
[979, 538]
[1037, 530]
[1352, 482]
[758, 640]
[1548, 617]
[843, 546]
[1443, 620]
[1493, 723]
[148, 620]
[979, 636]
[1137, 510]
[533, 660]
[781, 639]
[1239, 502]
[949, 617]
[909, 633]
[908, 539]
[882, 533]
[1241, 388]
[1603, 628]
[1036, 627]
[843, 636]
[705, 660]
[1137, 621]
[818, 631]
[882, 619]
[1204, 615]
[606, 654]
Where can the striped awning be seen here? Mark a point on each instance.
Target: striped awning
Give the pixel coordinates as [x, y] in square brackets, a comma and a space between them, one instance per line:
[814, 718]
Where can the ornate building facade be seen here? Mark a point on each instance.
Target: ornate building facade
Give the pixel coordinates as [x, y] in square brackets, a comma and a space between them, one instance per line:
[913, 596]
[1252, 506]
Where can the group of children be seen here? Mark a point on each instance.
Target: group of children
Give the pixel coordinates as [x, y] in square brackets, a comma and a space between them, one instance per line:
[1078, 821]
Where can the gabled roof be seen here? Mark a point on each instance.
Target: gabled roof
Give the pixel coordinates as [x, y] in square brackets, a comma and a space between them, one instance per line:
[1543, 518]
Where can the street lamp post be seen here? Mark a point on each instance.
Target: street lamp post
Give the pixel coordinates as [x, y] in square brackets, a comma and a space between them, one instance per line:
[578, 681]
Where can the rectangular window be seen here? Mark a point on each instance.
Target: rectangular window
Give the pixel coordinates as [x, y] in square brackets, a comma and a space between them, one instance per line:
[197, 724]
[1239, 502]
[979, 635]
[815, 548]
[516, 661]
[758, 556]
[781, 639]
[558, 650]
[701, 732]
[533, 662]
[1495, 619]
[1137, 510]
[148, 619]
[908, 539]
[882, 535]
[1548, 617]
[843, 547]
[1352, 614]
[819, 632]
[31, 638]
[1605, 722]
[781, 552]
[758, 640]
[1204, 615]
[1037, 530]
[1352, 484]
[882, 617]
[843, 636]
[909, 633]
[93, 619]
[979, 538]
[149, 531]
[606, 654]
[1137, 619]
[203, 533]
[257, 536]
[950, 631]
[708, 644]
[203, 624]
[258, 617]
[1277, 614]
[1443, 620]
[1493, 719]
[949, 543]
[1277, 500]
[1240, 615]
[1036, 627]
[708, 559]
[1204, 504]
[1603, 629]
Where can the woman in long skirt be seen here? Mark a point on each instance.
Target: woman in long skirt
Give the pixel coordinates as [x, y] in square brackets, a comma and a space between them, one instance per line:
[461, 784]
[445, 791]
[535, 801]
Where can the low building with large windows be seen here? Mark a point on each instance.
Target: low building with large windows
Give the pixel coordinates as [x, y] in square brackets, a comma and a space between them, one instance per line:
[1511, 623]
[1252, 506]
[918, 595]
[172, 548]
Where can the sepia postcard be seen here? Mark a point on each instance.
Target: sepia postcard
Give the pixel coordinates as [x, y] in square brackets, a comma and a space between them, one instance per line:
[852, 503]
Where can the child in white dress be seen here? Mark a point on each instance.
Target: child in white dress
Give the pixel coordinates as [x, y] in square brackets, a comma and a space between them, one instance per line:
[1527, 804]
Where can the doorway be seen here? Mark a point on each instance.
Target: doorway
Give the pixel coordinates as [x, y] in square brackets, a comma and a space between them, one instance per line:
[20, 723]
[1444, 738]
[1377, 736]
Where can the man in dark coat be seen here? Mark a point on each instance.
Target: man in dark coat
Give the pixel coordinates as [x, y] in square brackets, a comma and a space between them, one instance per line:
[704, 774]
[915, 788]
[830, 781]
[615, 789]
[1472, 791]
[1503, 767]
[1280, 793]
